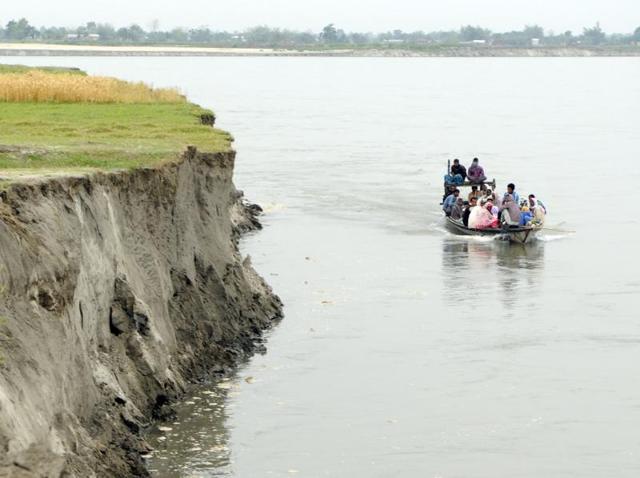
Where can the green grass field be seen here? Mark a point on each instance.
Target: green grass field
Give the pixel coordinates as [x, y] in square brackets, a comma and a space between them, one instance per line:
[101, 136]
[47, 69]
[45, 138]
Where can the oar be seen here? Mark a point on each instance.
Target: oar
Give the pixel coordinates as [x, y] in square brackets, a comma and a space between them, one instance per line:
[566, 231]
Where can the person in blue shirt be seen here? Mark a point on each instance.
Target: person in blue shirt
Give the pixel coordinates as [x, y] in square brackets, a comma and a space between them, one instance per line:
[511, 189]
[449, 201]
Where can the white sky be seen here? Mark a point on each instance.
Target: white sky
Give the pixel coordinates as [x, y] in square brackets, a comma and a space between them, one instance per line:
[351, 15]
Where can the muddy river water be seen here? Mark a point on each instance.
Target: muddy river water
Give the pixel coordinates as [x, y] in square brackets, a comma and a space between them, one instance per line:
[406, 351]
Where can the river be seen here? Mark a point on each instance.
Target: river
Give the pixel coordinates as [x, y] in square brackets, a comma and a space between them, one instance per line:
[406, 351]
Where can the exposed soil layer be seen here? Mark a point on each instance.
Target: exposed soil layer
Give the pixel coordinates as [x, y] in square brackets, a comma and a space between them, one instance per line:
[117, 290]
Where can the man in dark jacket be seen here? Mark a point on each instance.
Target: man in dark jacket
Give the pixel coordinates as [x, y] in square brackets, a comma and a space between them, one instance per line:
[458, 168]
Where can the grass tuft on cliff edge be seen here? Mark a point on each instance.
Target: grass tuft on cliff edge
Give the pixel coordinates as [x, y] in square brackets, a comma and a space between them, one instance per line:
[61, 121]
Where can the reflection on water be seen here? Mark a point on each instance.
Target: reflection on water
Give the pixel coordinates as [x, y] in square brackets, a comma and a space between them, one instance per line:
[475, 269]
[195, 444]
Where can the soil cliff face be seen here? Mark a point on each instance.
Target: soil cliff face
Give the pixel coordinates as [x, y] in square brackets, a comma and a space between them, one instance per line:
[116, 290]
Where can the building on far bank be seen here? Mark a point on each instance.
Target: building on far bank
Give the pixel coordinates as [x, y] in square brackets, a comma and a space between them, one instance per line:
[474, 42]
[79, 36]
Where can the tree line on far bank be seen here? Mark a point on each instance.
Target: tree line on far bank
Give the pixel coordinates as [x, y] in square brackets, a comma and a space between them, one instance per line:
[330, 36]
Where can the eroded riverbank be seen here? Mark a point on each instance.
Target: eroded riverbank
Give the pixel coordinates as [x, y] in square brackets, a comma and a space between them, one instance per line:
[121, 281]
[118, 290]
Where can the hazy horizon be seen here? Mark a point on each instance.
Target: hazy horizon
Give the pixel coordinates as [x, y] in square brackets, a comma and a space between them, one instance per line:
[618, 16]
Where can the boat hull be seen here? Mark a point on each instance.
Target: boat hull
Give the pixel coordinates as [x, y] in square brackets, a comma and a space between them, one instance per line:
[520, 235]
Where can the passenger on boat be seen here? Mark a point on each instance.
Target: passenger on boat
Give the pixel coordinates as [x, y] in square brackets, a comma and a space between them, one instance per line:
[449, 201]
[525, 214]
[538, 209]
[492, 221]
[495, 210]
[447, 191]
[482, 218]
[457, 174]
[495, 200]
[458, 209]
[535, 202]
[473, 202]
[474, 217]
[509, 212]
[475, 193]
[511, 189]
[476, 172]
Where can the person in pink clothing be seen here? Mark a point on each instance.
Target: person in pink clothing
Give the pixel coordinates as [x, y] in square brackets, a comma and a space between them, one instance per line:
[481, 217]
[486, 219]
[475, 173]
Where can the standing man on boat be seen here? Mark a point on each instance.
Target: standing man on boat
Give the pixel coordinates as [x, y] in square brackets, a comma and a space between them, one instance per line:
[449, 201]
[476, 172]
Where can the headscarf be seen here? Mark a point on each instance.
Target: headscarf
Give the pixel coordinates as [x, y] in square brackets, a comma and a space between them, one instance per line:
[510, 205]
[538, 210]
[458, 209]
[481, 217]
[536, 204]
[491, 207]
[475, 216]
[475, 171]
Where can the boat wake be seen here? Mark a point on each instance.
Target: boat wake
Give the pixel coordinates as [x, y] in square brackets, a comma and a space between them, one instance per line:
[553, 236]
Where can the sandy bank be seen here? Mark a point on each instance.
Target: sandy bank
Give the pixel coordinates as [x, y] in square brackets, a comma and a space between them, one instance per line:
[117, 290]
[37, 49]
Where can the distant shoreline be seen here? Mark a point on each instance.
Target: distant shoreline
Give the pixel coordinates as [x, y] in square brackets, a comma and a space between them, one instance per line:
[42, 49]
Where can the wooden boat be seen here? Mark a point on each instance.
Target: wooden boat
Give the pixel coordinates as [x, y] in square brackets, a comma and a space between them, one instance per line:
[518, 234]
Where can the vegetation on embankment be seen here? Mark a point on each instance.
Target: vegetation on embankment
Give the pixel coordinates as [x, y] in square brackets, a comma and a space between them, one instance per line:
[49, 69]
[65, 122]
